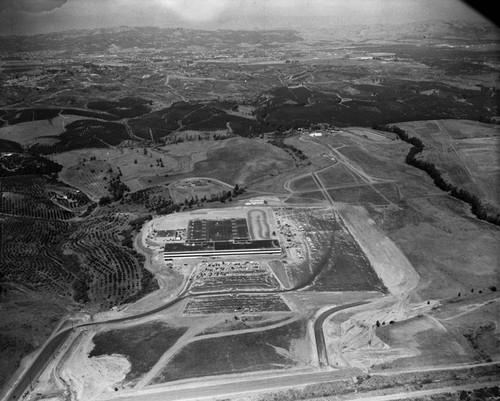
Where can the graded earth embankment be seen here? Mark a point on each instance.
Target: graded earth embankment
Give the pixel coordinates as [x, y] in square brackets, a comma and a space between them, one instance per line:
[390, 264]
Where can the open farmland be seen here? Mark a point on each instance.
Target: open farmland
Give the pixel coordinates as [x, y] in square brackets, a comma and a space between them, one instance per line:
[31, 254]
[92, 169]
[82, 261]
[38, 197]
[338, 266]
[114, 273]
[243, 161]
[465, 152]
[423, 225]
[260, 350]
[232, 161]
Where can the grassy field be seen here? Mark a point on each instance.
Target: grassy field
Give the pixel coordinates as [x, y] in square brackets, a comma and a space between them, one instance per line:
[432, 344]
[364, 194]
[338, 176]
[306, 198]
[459, 330]
[233, 161]
[475, 317]
[27, 320]
[243, 161]
[40, 131]
[442, 241]
[465, 151]
[143, 345]
[248, 352]
[303, 184]
[91, 169]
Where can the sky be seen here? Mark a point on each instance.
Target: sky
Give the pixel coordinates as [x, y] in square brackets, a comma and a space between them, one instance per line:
[28, 17]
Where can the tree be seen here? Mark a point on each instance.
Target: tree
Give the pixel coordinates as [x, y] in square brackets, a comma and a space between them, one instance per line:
[236, 190]
[105, 200]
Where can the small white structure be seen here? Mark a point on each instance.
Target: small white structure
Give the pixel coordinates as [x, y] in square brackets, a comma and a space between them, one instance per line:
[256, 202]
[315, 134]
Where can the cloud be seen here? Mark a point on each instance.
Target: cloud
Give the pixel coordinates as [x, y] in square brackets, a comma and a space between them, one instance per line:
[197, 10]
[31, 6]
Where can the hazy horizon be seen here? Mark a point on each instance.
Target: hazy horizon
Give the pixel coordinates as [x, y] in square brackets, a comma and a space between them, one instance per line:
[29, 17]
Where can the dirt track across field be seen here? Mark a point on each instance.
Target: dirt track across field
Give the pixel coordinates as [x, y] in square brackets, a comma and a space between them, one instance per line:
[390, 264]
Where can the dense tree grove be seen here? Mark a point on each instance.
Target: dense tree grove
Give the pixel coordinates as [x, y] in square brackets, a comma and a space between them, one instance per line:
[24, 164]
[480, 209]
[289, 148]
[81, 288]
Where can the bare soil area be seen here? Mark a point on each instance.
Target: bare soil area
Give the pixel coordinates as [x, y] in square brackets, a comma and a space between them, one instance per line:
[91, 378]
[390, 264]
[443, 241]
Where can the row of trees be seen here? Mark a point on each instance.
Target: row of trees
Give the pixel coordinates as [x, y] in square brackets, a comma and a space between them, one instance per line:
[480, 208]
[222, 196]
[294, 151]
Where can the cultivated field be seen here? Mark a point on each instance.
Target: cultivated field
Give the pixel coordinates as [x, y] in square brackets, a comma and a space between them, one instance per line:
[114, 273]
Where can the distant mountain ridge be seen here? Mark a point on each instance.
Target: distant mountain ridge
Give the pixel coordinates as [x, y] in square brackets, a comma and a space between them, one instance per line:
[101, 39]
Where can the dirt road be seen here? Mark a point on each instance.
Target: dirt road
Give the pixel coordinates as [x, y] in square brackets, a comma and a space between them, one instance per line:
[199, 390]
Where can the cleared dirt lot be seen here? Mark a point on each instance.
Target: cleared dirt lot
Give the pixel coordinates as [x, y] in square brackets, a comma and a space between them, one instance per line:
[443, 242]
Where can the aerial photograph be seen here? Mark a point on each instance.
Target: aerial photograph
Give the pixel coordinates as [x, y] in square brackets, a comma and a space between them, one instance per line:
[249, 200]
